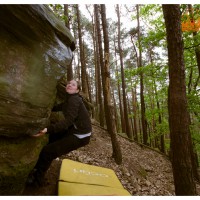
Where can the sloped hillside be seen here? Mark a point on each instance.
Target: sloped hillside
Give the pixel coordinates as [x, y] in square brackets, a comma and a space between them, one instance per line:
[143, 171]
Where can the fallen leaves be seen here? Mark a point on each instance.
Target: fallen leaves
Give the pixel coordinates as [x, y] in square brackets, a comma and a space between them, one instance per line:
[143, 172]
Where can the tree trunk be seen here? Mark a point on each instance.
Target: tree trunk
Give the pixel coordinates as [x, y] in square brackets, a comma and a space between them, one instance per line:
[67, 24]
[99, 61]
[130, 119]
[66, 14]
[82, 59]
[107, 93]
[162, 137]
[115, 113]
[177, 105]
[134, 97]
[119, 95]
[143, 118]
[121, 109]
[127, 125]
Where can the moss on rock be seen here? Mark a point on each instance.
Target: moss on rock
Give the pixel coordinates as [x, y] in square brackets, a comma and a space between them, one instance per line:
[17, 159]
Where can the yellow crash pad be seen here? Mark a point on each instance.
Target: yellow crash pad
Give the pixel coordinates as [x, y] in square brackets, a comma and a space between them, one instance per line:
[78, 179]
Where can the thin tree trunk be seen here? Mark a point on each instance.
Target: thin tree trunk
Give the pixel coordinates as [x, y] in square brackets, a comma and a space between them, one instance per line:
[106, 90]
[82, 59]
[128, 132]
[66, 13]
[67, 24]
[115, 113]
[162, 137]
[134, 97]
[140, 128]
[130, 119]
[99, 60]
[123, 130]
[143, 118]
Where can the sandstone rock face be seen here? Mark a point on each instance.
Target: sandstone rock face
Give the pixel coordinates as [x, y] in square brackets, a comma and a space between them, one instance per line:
[35, 50]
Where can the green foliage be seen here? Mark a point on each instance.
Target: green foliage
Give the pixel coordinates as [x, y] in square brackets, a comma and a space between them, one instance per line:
[194, 129]
[167, 145]
[58, 10]
[154, 63]
[194, 105]
[185, 15]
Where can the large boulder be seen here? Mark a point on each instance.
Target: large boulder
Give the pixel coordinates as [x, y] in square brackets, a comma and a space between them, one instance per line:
[35, 50]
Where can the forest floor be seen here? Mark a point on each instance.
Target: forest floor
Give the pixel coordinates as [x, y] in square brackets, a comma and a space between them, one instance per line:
[143, 172]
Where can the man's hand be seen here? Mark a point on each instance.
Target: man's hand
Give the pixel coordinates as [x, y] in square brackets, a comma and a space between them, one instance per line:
[40, 133]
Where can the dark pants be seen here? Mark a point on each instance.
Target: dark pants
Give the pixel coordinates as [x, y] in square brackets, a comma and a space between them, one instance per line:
[59, 144]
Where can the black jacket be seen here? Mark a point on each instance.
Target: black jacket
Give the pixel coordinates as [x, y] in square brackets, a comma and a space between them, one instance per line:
[75, 114]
